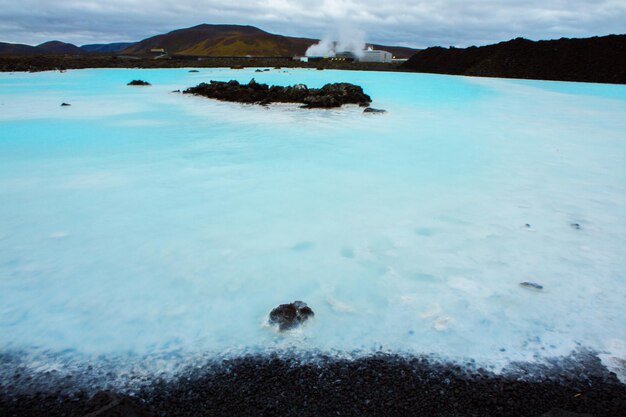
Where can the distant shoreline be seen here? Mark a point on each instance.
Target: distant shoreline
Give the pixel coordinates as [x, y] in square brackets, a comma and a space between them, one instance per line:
[41, 63]
[38, 63]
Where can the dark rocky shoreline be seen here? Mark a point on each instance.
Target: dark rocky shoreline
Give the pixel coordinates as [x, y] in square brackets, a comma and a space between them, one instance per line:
[378, 385]
[596, 59]
[36, 63]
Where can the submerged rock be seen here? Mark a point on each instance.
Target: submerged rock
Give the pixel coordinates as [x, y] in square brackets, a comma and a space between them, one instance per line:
[138, 82]
[575, 226]
[329, 96]
[531, 285]
[373, 110]
[288, 316]
[194, 71]
[65, 104]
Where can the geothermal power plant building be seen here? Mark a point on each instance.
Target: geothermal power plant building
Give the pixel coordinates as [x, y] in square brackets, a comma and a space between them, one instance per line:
[368, 55]
[372, 55]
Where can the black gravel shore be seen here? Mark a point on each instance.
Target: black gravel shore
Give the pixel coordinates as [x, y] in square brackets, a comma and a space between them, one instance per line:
[379, 385]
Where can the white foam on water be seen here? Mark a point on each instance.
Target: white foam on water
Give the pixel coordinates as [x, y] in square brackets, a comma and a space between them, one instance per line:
[151, 229]
[58, 235]
[615, 361]
[340, 306]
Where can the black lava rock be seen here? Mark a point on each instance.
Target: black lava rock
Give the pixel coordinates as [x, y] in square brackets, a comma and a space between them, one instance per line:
[531, 285]
[108, 404]
[557, 412]
[138, 82]
[288, 316]
[374, 111]
[596, 59]
[194, 71]
[65, 104]
[329, 96]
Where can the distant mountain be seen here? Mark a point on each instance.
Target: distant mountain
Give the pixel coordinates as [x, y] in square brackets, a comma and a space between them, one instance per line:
[52, 47]
[597, 59]
[233, 40]
[58, 47]
[201, 40]
[17, 49]
[104, 48]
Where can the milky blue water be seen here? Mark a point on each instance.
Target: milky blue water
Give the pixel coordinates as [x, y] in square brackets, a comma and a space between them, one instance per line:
[140, 223]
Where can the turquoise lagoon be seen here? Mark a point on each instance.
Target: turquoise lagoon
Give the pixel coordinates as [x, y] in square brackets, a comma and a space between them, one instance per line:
[149, 229]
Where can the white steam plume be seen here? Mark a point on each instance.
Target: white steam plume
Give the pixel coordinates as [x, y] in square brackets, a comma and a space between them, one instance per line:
[342, 40]
[324, 48]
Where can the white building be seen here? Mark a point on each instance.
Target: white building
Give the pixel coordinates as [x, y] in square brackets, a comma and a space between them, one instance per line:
[368, 55]
[371, 55]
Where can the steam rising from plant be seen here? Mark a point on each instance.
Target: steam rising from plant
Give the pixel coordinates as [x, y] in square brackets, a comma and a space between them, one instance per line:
[342, 40]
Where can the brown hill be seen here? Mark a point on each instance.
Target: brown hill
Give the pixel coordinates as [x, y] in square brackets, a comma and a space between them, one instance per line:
[58, 47]
[223, 40]
[233, 40]
[597, 59]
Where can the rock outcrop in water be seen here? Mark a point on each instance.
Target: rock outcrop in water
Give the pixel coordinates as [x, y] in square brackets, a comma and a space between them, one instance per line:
[329, 96]
[138, 82]
[289, 316]
[374, 111]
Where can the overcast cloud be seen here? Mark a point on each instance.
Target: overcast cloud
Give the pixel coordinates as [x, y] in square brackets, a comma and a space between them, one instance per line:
[399, 22]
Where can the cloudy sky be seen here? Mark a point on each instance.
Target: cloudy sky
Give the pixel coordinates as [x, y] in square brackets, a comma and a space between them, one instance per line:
[416, 23]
